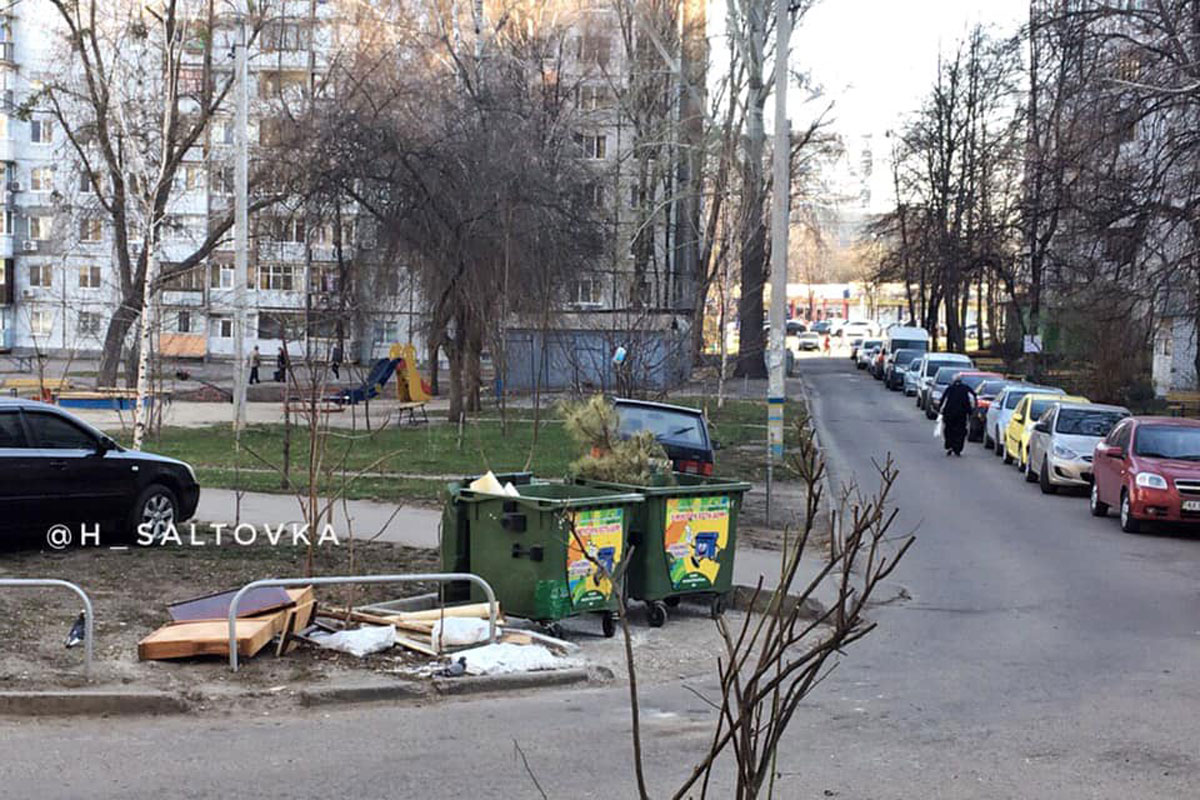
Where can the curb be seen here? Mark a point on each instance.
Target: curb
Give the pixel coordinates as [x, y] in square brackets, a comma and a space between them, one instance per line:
[741, 597]
[337, 695]
[479, 684]
[67, 703]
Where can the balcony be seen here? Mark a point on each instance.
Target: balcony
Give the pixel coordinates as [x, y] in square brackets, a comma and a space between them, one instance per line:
[7, 53]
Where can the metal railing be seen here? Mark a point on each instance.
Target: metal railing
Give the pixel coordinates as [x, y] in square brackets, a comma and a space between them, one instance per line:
[341, 580]
[88, 614]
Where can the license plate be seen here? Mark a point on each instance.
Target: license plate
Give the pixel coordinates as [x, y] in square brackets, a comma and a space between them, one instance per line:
[1191, 505]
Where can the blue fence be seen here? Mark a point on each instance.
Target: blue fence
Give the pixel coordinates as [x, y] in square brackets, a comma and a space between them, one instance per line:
[582, 359]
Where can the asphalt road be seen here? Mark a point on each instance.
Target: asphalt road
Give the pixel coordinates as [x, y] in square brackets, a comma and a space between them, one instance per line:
[1043, 654]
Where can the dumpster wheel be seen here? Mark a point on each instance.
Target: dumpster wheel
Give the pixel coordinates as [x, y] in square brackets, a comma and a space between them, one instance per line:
[656, 613]
[673, 601]
[608, 624]
[716, 606]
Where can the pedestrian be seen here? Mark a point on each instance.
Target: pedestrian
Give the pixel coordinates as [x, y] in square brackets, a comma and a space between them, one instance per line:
[255, 363]
[956, 407]
[828, 345]
[281, 365]
[335, 361]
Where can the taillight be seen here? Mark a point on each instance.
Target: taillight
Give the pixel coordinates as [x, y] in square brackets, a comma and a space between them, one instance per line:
[706, 468]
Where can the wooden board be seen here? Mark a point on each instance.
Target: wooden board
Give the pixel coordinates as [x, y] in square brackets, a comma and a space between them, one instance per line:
[189, 639]
[216, 606]
[295, 620]
[472, 610]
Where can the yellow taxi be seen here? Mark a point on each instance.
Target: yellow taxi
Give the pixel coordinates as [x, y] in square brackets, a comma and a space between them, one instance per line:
[1024, 417]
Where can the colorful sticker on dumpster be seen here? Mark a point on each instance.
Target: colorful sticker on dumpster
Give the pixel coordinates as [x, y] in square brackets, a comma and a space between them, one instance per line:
[599, 533]
[696, 534]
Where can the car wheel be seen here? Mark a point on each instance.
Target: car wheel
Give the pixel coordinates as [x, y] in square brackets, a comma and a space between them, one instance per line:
[999, 445]
[1129, 523]
[988, 442]
[154, 512]
[1097, 508]
[1030, 475]
[929, 413]
[1008, 459]
[1044, 479]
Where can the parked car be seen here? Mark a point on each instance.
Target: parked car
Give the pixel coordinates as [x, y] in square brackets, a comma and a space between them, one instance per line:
[855, 343]
[912, 376]
[1024, 417]
[856, 328]
[682, 431]
[811, 340]
[1149, 467]
[1062, 442]
[867, 352]
[56, 469]
[930, 364]
[897, 363]
[1001, 409]
[822, 326]
[944, 377]
[985, 395]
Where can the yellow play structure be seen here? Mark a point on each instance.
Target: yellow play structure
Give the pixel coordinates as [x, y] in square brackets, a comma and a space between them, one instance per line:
[410, 386]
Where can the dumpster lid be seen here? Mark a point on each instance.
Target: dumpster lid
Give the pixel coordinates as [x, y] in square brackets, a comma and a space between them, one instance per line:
[550, 496]
[687, 485]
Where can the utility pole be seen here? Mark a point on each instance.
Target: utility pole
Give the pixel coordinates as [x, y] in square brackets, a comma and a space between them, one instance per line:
[781, 180]
[241, 224]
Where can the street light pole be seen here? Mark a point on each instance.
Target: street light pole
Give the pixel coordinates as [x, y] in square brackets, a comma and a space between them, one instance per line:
[241, 224]
[776, 362]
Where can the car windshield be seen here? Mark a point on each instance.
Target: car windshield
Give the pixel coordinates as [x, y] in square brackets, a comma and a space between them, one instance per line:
[973, 382]
[872, 344]
[1082, 422]
[1168, 441]
[946, 374]
[990, 388]
[903, 357]
[667, 425]
[932, 367]
[1012, 398]
[1038, 407]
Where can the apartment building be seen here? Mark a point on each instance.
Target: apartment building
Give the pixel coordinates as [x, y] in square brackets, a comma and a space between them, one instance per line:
[58, 283]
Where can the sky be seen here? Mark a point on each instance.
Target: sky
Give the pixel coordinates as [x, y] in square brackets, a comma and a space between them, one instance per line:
[876, 59]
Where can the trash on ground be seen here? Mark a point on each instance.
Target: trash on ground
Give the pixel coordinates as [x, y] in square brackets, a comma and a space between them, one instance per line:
[459, 632]
[359, 641]
[216, 606]
[78, 630]
[210, 637]
[504, 658]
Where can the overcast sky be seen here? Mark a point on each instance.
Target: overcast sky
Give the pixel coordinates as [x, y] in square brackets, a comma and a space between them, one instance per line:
[877, 58]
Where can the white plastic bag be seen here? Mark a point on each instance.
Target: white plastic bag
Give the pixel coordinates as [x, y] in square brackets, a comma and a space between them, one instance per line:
[459, 631]
[939, 428]
[360, 642]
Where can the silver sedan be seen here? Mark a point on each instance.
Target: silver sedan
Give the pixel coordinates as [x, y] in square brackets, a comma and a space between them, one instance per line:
[1061, 444]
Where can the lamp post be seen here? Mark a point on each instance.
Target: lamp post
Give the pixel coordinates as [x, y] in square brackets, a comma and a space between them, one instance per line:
[241, 221]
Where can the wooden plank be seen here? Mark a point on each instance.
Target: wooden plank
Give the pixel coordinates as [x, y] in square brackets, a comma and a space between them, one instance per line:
[297, 619]
[415, 646]
[418, 626]
[190, 639]
[216, 606]
[471, 610]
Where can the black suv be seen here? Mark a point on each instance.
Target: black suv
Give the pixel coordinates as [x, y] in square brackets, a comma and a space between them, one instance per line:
[682, 431]
[56, 469]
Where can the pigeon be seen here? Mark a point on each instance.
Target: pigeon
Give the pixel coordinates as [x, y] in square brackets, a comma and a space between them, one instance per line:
[455, 668]
[77, 632]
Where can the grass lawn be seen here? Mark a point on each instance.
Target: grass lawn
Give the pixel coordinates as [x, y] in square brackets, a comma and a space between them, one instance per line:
[436, 450]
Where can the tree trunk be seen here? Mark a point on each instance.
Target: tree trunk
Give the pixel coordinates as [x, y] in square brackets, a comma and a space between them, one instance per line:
[114, 340]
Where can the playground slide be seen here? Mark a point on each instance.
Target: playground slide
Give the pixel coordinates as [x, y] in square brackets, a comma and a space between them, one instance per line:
[379, 375]
[410, 386]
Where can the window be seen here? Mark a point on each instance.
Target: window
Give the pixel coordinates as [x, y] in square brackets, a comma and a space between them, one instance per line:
[274, 325]
[39, 227]
[285, 36]
[86, 182]
[220, 276]
[6, 223]
[273, 132]
[324, 278]
[288, 85]
[222, 327]
[586, 290]
[41, 323]
[41, 131]
[595, 146]
[183, 280]
[594, 194]
[183, 322]
[41, 179]
[222, 180]
[89, 229]
[191, 80]
[193, 177]
[88, 324]
[58, 433]
[387, 332]
[41, 275]
[222, 131]
[595, 49]
[324, 233]
[11, 432]
[595, 98]
[277, 277]
[89, 277]
[290, 229]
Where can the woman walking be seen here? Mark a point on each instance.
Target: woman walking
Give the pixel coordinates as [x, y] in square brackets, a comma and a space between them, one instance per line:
[956, 407]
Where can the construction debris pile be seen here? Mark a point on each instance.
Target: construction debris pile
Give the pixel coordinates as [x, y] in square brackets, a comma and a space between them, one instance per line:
[456, 638]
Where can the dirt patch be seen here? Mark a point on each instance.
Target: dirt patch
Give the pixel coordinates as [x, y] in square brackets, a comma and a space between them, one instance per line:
[130, 590]
[789, 502]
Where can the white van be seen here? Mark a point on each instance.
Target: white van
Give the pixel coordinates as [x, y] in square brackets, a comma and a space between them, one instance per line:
[899, 338]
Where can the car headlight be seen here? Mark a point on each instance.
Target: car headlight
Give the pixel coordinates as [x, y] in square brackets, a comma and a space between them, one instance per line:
[1064, 452]
[1150, 480]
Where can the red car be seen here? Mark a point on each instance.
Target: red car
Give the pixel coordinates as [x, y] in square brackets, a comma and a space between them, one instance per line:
[1149, 467]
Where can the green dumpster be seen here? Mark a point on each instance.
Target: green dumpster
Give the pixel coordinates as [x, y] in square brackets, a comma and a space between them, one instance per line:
[456, 534]
[684, 539]
[525, 548]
